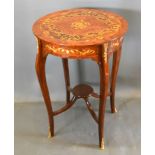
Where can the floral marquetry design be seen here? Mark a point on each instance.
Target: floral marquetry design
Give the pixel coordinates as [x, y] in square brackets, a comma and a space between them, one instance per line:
[71, 52]
[82, 52]
[80, 24]
[79, 27]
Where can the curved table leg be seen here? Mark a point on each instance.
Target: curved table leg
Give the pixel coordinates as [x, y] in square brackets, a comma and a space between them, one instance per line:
[90, 108]
[66, 107]
[40, 70]
[67, 78]
[115, 66]
[104, 77]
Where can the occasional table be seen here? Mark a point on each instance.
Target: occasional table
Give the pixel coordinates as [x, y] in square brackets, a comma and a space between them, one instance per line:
[81, 33]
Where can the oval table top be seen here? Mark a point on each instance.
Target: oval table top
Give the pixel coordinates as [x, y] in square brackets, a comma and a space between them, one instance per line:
[80, 27]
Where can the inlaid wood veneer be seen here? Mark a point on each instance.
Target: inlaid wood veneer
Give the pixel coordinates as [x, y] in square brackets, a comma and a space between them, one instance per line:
[82, 33]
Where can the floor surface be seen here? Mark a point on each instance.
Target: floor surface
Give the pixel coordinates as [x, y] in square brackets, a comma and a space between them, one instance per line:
[76, 133]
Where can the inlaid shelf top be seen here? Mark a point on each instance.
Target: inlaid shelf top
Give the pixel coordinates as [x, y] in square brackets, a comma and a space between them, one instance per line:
[80, 27]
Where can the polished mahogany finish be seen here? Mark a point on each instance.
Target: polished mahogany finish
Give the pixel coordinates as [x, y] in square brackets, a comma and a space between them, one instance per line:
[82, 91]
[81, 34]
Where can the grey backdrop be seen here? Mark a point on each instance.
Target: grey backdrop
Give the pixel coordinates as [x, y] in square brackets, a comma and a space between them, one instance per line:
[26, 84]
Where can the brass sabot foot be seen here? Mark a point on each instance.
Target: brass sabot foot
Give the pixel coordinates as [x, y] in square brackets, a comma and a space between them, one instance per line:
[115, 110]
[102, 144]
[49, 133]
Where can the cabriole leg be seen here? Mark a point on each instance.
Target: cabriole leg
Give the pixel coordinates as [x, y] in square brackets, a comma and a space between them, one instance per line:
[104, 76]
[67, 78]
[115, 66]
[40, 70]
